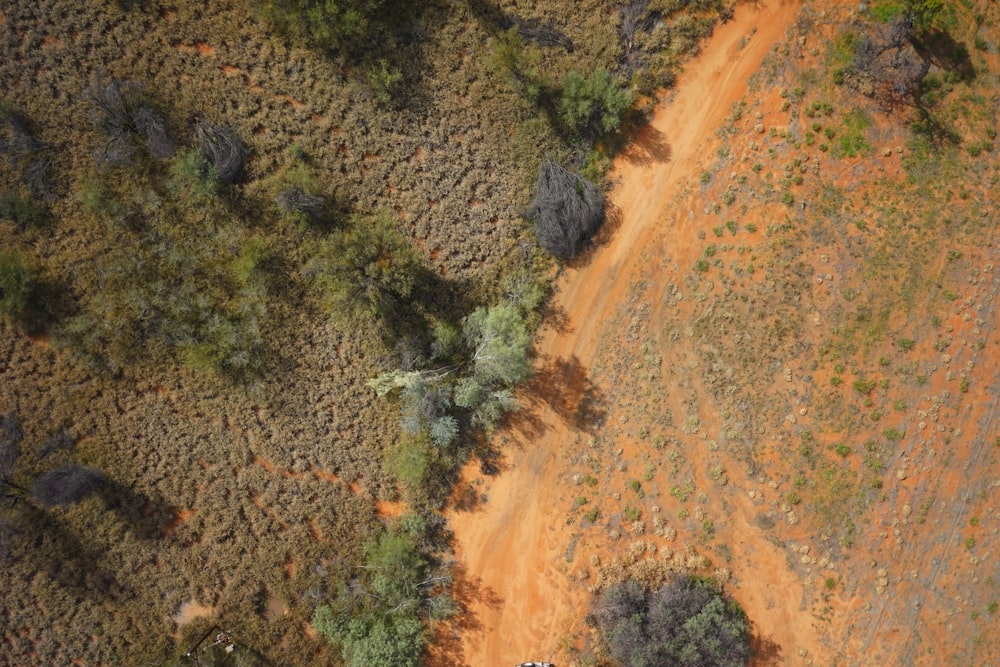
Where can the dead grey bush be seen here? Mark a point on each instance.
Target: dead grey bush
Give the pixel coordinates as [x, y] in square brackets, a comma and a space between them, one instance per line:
[121, 109]
[295, 200]
[567, 210]
[223, 148]
[66, 485]
[887, 66]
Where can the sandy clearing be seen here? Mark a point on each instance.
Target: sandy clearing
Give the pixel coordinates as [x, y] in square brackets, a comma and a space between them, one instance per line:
[521, 605]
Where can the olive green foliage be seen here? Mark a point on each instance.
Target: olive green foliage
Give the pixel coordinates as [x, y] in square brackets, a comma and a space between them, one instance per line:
[379, 618]
[499, 343]
[17, 284]
[686, 623]
[384, 80]
[321, 23]
[923, 13]
[367, 270]
[593, 107]
[179, 274]
[520, 63]
[20, 207]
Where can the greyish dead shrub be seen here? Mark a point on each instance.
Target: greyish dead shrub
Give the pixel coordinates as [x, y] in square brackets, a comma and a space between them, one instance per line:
[296, 200]
[223, 149]
[121, 109]
[567, 210]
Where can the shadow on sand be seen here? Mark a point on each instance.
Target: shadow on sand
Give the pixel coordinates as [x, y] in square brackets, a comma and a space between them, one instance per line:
[466, 590]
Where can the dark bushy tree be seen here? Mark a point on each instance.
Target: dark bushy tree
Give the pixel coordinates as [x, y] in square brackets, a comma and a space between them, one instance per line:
[367, 270]
[684, 623]
[17, 284]
[66, 485]
[567, 210]
[11, 435]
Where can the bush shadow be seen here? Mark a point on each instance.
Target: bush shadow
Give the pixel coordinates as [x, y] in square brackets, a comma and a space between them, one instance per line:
[564, 385]
[63, 556]
[606, 232]
[467, 589]
[940, 48]
[150, 518]
[764, 651]
[649, 147]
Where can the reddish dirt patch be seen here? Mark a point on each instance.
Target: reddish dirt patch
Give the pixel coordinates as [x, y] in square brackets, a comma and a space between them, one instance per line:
[291, 101]
[515, 545]
[180, 516]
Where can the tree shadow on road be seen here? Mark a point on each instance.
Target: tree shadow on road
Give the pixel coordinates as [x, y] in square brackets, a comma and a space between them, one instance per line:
[764, 651]
[565, 386]
[467, 590]
[649, 148]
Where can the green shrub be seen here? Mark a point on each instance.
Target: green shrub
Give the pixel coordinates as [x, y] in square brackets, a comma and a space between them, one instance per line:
[593, 107]
[366, 271]
[322, 23]
[685, 623]
[17, 284]
[384, 79]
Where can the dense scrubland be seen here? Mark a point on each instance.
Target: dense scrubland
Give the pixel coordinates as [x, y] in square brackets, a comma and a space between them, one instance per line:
[265, 265]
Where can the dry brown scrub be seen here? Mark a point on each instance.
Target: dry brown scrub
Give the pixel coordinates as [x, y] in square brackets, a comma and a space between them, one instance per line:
[246, 508]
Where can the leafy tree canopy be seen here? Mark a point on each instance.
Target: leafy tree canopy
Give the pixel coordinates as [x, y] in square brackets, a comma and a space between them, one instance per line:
[593, 106]
[322, 23]
[684, 623]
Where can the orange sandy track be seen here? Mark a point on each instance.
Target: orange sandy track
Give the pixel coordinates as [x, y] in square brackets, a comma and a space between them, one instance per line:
[521, 603]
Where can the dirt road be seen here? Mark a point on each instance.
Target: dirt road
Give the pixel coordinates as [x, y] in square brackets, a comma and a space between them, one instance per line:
[512, 548]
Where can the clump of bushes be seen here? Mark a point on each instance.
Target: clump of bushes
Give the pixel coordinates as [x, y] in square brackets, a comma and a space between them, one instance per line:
[378, 618]
[367, 270]
[686, 623]
[322, 23]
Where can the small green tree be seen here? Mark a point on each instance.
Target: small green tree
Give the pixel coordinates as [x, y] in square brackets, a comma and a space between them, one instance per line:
[367, 270]
[593, 107]
[17, 284]
[499, 341]
[321, 23]
[380, 620]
